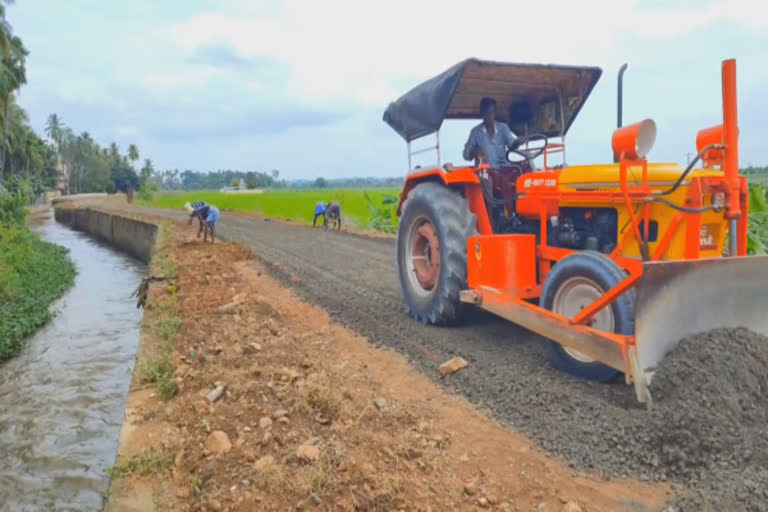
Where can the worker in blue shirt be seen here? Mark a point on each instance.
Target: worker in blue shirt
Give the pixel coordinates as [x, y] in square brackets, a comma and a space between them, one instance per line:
[191, 208]
[207, 214]
[319, 210]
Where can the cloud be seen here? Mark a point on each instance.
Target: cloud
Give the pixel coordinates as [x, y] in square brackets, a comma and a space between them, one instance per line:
[217, 56]
[223, 56]
[126, 130]
[210, 117]
[207, 123]
[662, 23]
[186, 78]
[401, 39]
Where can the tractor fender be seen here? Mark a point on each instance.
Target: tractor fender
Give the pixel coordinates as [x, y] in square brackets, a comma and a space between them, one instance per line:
[461, 178]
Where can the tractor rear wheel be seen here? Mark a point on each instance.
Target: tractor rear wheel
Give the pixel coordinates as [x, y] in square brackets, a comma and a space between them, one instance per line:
[432, 252]
[574, 283]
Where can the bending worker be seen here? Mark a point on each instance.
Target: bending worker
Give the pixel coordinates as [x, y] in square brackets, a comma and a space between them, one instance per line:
[207, 214]
[192, 207]
[319, 210]
[333, 214]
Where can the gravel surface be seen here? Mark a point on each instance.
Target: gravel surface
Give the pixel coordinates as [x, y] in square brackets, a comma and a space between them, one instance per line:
[704, 432]
[708, 426]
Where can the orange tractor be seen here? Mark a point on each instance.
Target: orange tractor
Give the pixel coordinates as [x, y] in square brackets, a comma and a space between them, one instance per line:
[613, 264]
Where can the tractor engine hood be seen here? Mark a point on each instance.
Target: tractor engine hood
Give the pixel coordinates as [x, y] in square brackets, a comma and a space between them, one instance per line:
[607, 175]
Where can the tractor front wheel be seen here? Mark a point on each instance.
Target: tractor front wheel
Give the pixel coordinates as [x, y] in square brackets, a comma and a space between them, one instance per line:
[573, 284]
[432, 252]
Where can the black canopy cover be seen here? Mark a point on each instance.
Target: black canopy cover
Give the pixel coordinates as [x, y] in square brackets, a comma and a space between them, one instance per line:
[524, 93]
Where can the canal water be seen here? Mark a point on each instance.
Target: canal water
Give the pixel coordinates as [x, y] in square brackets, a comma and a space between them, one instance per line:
[62, 399]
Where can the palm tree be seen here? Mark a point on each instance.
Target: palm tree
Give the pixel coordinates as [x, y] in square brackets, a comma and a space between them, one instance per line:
[114, 152]
[16, 124]
[133, 153]
[83, 148]
[146, 172]
[13, 73]
[67, 150]
[53, 128]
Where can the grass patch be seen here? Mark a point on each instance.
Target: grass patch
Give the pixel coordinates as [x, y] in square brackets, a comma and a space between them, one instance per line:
[148, 462]
[161, 259]
[294, 204]
[161, 319]
[33, 273]
[159, 368]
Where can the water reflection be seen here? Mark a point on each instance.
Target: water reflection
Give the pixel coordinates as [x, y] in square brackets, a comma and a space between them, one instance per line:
[62, 399]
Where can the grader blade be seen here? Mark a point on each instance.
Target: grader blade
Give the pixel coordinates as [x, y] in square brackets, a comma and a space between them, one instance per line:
[676, 299]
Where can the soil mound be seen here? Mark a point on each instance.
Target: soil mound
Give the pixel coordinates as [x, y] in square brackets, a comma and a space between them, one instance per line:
[708, 423]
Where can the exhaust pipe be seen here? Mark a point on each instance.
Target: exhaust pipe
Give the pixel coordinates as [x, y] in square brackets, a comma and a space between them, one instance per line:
[620, 98]
[619, 106]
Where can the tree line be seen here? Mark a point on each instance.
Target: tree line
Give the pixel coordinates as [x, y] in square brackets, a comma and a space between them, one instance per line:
[214, 180]
[24, 154]
[84, 166]
[72, 162]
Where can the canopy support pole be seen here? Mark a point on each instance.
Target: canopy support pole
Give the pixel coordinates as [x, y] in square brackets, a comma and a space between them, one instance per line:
[424, 150]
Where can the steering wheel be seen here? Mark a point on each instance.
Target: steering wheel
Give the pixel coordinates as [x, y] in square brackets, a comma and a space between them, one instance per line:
[527, 154]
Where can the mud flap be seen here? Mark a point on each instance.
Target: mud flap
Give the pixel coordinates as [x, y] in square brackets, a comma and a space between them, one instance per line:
[676, 299]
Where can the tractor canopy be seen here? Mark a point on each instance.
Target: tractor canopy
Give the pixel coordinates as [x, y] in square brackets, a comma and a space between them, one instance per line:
[531, 98]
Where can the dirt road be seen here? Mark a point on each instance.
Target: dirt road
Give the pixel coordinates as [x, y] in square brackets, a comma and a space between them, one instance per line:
[354, 278]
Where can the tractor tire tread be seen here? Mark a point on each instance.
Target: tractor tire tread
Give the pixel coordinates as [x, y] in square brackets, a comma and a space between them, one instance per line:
[454, 223]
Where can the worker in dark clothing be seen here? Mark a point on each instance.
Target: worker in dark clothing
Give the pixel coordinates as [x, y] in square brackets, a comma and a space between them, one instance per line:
[333, 215]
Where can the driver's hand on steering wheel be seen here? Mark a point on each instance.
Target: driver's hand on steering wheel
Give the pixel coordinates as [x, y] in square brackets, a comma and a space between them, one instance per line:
[516, 144]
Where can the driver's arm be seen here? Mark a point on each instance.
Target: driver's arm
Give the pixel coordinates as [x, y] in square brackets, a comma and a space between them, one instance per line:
[471, 146]
[509, 138]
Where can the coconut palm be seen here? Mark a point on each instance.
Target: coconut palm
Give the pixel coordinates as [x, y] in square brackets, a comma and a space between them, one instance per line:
[13, 75]
[133, 153]
[54, 129]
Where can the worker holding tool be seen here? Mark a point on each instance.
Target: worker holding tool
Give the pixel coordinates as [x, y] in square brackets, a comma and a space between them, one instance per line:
[194, 206]
[319, 210]
[207, 215]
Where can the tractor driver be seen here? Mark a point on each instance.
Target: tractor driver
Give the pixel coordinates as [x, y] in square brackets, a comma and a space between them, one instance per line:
[490, 140]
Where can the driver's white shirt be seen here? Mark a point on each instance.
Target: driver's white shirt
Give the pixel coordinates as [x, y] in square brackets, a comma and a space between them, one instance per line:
[494, 147]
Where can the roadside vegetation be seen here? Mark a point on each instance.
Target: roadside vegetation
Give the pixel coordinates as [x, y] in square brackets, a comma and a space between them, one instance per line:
[758, 219]
[161, 322]
[33, 273]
